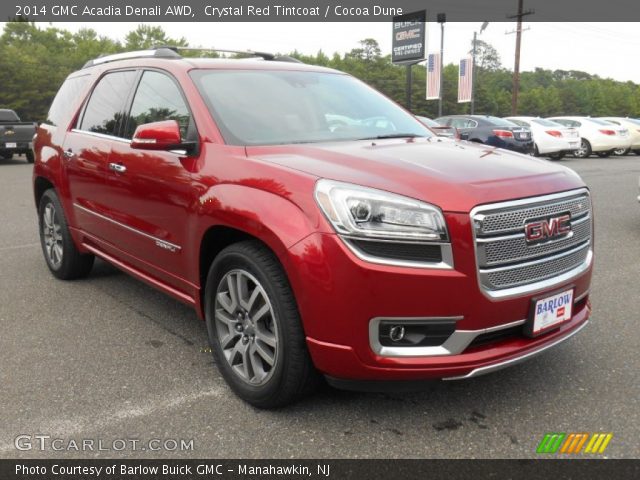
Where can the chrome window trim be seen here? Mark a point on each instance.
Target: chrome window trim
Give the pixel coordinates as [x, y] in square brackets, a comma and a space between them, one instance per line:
[531, 288]
[454, 345]
[476, 372]
[159, 242]
[445, 248]
[104, 136]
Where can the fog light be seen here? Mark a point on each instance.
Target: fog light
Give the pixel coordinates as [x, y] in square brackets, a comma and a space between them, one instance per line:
[396, 333]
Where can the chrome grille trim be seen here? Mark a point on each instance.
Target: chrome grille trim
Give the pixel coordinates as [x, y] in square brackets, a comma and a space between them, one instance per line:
[508, 266]
[514, 248]
[510, 216]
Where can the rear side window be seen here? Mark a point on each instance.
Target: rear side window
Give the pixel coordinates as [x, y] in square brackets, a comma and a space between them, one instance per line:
[544, 122]
[158, 98]
[65, 100]
[106, 105]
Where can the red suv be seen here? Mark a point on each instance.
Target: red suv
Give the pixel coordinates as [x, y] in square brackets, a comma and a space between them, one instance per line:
[318, 228]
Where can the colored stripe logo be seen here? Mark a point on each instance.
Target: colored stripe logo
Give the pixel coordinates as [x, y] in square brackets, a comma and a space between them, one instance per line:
[574, 443]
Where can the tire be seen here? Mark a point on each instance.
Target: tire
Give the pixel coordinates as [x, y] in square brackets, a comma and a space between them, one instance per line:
[30, 156]
[637, 152]
[60, 252]
[603, 154]
[621, 152]
[584, 151]
[556, 156]
[536, 152]
[237, 331]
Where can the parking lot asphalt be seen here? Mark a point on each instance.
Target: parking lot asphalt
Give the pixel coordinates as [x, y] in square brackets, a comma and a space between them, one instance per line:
[110, 358]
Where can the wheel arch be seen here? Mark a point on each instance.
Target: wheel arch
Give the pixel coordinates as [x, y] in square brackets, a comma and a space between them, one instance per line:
[235, 213]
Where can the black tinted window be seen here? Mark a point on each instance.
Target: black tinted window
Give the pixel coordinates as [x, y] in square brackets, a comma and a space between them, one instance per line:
[66, 99]
[158, 98]
[105, 108]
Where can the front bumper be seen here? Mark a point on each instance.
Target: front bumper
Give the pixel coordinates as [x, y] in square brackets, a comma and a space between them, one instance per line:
[339, 295]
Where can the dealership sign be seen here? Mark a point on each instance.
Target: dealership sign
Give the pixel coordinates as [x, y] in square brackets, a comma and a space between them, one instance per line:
[409, 37]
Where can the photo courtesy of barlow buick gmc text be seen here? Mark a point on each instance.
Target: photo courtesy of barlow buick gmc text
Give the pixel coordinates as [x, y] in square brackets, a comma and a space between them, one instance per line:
[318, 241]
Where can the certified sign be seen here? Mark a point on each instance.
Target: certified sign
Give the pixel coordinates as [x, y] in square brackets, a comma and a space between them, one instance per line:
[409, 37]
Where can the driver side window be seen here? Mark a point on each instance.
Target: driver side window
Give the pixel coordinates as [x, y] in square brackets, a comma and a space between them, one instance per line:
[158, 98]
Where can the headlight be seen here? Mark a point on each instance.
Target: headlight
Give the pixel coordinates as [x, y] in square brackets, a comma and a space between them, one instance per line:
[365, 212]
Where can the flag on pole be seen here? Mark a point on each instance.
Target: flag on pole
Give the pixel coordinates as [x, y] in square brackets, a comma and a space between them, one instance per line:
[433, 76]
[464, 80]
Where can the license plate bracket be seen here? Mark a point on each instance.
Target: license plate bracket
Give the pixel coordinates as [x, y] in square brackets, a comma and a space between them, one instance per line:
[549, 312]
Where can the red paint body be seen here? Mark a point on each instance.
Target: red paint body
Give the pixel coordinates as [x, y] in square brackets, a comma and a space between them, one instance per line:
[268, 193]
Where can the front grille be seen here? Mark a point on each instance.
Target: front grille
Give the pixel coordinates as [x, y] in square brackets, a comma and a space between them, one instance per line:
[507, 219]
[506, 260]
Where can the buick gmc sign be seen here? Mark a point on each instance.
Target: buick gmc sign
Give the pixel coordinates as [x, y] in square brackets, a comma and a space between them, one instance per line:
[408, 44]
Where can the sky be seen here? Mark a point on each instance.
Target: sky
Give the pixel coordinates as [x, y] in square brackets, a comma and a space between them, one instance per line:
[605, 49]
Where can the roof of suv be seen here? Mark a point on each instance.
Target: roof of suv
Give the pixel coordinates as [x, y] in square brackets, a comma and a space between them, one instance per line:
[163, 57]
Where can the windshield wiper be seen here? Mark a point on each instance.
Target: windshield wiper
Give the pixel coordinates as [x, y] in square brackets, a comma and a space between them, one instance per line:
[392, 135]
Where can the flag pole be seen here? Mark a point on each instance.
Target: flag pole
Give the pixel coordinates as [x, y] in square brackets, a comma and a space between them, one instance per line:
[442, 18]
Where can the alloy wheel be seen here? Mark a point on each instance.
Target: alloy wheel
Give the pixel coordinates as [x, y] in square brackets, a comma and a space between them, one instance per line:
[52, 232]
[246, 326]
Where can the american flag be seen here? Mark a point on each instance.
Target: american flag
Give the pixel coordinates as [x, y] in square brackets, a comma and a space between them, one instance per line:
[465, 79]
[433, 76]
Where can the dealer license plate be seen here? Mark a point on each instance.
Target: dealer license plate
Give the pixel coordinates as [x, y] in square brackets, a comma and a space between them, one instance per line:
[551, 311]
[11, 145]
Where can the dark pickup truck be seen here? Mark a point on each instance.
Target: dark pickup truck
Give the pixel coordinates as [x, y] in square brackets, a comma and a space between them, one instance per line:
[16, 137]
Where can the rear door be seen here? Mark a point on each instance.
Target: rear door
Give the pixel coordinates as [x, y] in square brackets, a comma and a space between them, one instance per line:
[150, 192]
[87, 148]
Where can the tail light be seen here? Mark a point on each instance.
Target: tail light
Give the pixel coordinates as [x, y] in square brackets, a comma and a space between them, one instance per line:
[503, 133]
[554, 133]
[607, 132]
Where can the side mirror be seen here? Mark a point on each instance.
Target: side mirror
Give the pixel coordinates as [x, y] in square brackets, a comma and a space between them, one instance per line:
[164, 135]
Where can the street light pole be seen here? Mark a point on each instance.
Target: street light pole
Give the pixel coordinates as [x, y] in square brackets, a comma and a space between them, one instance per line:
[473, 74]
[442, 18]
[473, 66]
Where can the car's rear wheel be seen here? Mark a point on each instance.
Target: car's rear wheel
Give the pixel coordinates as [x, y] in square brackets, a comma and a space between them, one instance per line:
[637, 152]
[254, 327]
[603, 154]
[63, 258]
[584, 151]
[620, 152]
[556, 156]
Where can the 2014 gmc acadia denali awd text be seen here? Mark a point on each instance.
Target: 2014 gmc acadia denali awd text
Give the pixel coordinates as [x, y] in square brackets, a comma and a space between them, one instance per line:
[318, 228]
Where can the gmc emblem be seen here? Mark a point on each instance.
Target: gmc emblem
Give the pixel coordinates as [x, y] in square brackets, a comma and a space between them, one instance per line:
[547, 229]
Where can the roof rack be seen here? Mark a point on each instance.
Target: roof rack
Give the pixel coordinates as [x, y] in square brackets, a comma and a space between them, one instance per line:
[170, 51]
[160, 52]
[250, 53]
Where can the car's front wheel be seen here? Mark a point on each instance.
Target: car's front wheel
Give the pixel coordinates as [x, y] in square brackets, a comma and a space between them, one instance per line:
[621, 151]
[254, 327]
[30, 156]
[556, 156]
[63, 258]
[603, 154]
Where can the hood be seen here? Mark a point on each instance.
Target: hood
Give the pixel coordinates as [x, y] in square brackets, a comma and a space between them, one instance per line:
[456, 176]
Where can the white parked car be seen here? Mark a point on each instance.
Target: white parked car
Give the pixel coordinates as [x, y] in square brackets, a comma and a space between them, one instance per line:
[597, 136]
[550, 139]
[631, 124]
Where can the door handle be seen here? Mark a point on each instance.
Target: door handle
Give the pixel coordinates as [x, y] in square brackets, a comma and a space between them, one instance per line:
[117, 167]
[68, 153]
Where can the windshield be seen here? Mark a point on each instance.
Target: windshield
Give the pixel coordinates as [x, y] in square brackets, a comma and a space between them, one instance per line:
[262, 107]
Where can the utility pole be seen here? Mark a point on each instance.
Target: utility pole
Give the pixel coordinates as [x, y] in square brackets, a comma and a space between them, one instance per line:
[409, 85]
[442, 18]
[516, 68]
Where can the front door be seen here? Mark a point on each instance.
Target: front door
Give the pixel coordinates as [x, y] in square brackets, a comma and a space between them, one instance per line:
[150, 192]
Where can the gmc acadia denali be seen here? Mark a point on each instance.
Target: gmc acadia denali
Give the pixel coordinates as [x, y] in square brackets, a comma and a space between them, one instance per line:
[318, 228]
